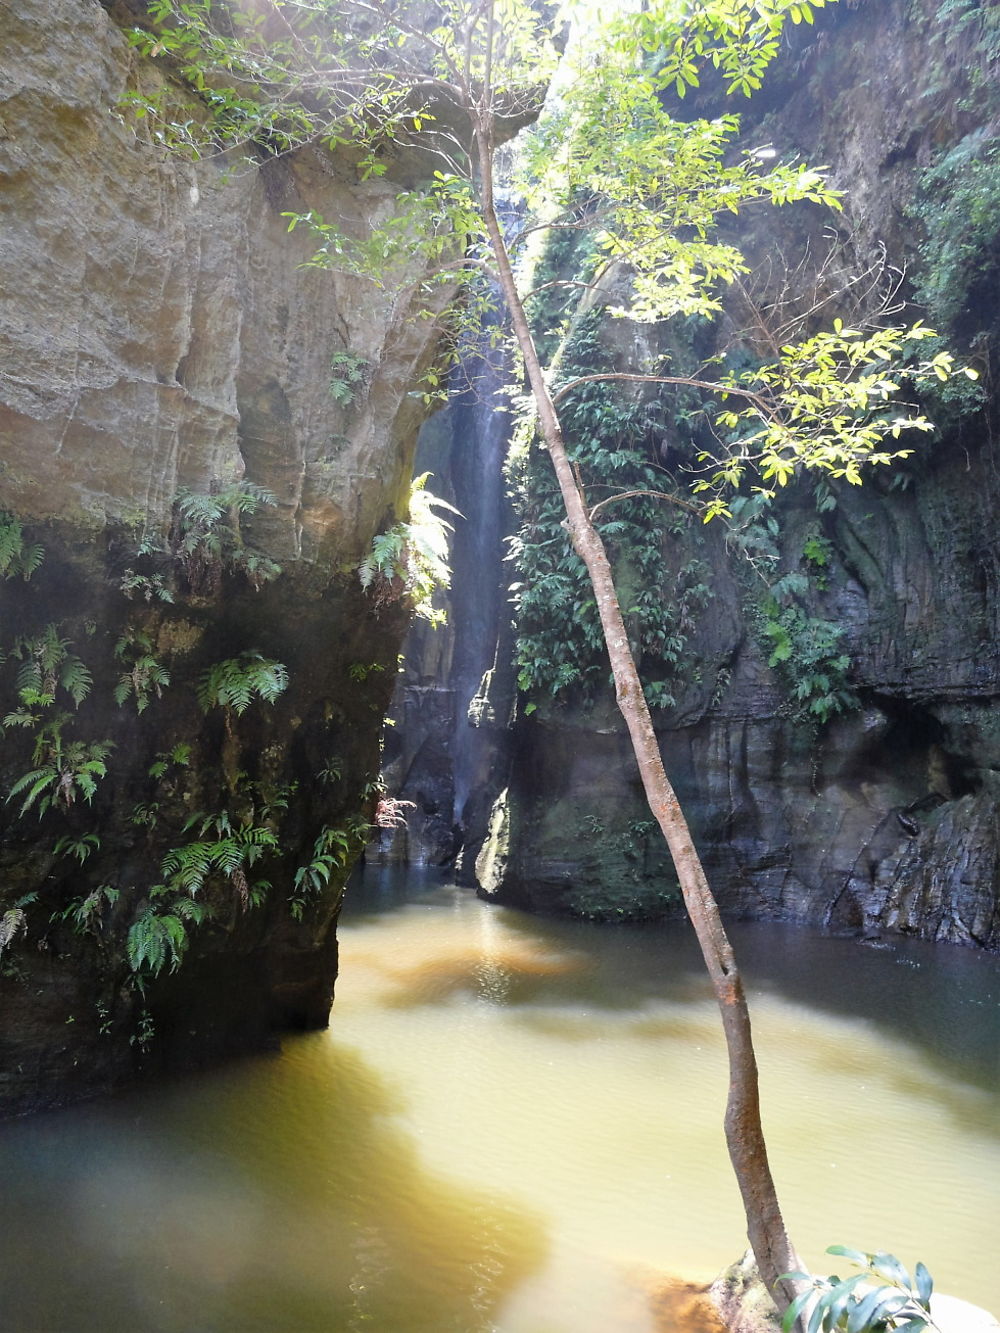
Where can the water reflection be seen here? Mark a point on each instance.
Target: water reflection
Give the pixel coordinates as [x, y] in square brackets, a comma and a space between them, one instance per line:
[514, 1126]
[280, 1195]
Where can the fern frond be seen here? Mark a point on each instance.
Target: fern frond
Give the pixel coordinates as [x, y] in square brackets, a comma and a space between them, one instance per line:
[39, 780]
[234, 682]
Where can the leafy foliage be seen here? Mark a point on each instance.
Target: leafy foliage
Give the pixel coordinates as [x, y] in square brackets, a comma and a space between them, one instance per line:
[234, 683]
[157, 937]
[144, 676]
[225, 847]
[16, 557]
[560, 645]
[207, 542]
[828, 404]
[179, 756]
[806, 649]
[959, 205]
[348, 376]
[410, 561]
[81, 847]
[47, 666]
[147, 586]
[14, 921]
[880, 1298]
[84, 914]
[64, 770]
[330, 852]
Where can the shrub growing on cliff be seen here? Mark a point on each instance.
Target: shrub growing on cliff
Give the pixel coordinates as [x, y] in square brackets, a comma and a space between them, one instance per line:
[16, 556]
[409, 562]
[207, 542]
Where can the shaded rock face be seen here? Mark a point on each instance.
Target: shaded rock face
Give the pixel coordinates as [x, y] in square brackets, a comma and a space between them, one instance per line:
[446, 748]
[884, 817]
[160, 337]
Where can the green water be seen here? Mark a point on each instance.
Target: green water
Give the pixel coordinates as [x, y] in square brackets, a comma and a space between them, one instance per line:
[515, 1125]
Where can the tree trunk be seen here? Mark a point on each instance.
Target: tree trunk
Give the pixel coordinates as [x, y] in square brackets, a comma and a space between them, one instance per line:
[744, 1134]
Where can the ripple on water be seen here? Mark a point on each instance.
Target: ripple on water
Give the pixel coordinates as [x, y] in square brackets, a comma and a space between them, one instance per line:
[514, 1126]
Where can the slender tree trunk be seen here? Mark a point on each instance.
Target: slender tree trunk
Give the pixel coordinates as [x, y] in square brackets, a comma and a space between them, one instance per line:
[744, 1134]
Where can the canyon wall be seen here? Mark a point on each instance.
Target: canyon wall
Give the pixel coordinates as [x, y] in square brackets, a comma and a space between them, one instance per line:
[171, 447]
[879, 815]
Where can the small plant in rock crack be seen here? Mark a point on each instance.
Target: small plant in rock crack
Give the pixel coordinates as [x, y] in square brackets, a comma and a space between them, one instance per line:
[146, 586]
[348, 377]
[64, 770]
[179, 756]
[85, 914]
[47, 666]
[144, 676]
[206, 540]
[234, 683]
[14, 921]
[332, 771]
[16, 556]
[81, 847]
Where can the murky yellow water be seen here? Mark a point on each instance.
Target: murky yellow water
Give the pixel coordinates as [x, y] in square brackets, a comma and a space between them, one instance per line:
[515, 1125]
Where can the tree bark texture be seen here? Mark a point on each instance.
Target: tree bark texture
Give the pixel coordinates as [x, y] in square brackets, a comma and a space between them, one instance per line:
[744, 1134]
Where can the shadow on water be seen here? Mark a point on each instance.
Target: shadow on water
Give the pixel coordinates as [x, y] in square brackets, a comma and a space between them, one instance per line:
[232, 1203]
[943, 1000]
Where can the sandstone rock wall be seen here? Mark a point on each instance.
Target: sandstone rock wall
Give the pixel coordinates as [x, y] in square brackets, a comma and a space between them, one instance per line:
[158, 336]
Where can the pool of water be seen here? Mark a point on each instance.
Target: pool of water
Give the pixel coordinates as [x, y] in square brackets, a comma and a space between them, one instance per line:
[515, 1125]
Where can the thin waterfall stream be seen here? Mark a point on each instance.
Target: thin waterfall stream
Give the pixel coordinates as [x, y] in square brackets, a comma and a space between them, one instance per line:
[514, 1124]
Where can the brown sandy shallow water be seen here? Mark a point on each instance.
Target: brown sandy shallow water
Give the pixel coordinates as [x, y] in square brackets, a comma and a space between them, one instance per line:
[515, 1125]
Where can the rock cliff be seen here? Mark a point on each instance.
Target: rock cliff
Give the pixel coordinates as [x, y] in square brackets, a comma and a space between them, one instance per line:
[880, 816]
[170, 446]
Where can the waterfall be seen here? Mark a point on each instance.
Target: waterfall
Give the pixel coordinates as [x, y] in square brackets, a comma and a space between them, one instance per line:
[435, 754]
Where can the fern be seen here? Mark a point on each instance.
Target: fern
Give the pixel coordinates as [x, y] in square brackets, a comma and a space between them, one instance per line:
[64, 770]
[220, 848]
[145, 676]
[81, 847]
[157, 938]
[410, 560]
[206, 539]
[15, 921]
[232, 684]
[147, 586]
[180, 755]
[84, 913]
[329, 853]
[15, 556]
[46, 665]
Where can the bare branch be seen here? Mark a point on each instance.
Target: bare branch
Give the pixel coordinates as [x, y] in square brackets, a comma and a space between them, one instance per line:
[766, 409]
[654, 495]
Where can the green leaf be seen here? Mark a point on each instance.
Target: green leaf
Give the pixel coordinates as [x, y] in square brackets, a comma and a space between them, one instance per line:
[925, 1285]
